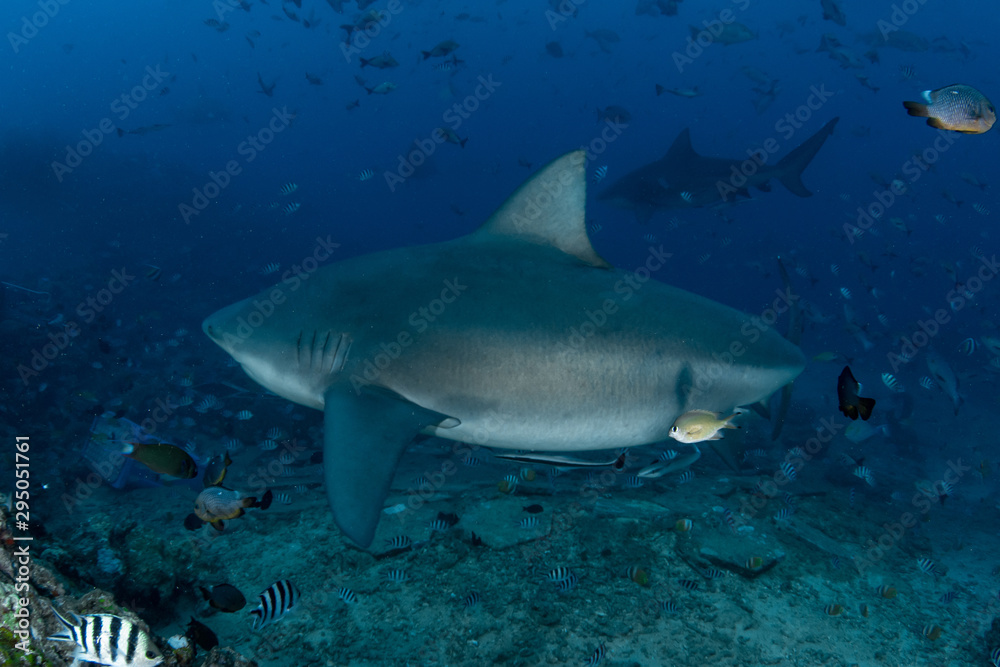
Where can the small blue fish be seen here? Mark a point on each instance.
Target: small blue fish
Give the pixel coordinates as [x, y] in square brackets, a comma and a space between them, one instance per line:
[288, 188]
[890, 381]
[730, 520]
[968, 346]
[528, 522]
[366, 174]
[865, 473]
[291, 207]
[347, 595]
[471, 600]
[669, 607]
[600, 173]
[784, 514]
[788, 470]
[597, 656]
[399, 542]
[688, 584]
[439, 526]
[685, 478]
[560, 573]
[568, 584]
[927, 566]
[633, 482]
[397, 576]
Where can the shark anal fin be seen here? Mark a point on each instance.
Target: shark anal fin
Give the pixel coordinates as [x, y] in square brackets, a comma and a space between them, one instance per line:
[365, 435]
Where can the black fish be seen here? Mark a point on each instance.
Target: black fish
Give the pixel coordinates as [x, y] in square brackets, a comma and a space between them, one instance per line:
[192, 522]
[851, 404]
[533, 509]
[264, 88]
[201, 635]
[451, 519]
[215, 470]
[224, 597]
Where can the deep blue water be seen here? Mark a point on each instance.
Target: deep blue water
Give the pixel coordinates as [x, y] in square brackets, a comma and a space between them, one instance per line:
[64, 80]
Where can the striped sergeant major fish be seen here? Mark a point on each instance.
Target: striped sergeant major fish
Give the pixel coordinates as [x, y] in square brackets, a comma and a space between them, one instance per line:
[108, 640]
[279, 599]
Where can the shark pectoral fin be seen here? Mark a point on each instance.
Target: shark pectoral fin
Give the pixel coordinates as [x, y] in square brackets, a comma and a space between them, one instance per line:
[365, 434]
[548, 209]
[762, 408]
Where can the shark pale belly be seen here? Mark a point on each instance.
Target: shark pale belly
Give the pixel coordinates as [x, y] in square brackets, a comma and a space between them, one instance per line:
[517, 336]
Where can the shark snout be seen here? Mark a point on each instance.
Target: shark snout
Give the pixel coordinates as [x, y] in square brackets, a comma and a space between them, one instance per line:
[222, 325]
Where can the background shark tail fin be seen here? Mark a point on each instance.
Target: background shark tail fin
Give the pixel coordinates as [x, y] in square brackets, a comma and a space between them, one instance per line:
[792, 165]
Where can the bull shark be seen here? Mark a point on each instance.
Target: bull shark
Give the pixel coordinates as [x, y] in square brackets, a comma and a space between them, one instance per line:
[684, 179]
[516, 336]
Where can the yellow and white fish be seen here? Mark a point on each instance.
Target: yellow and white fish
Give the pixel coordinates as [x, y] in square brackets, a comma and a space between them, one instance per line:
[700, 425]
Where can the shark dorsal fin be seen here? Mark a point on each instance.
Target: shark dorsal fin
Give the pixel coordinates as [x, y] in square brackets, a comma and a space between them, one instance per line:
[548, 209]
[681, 151]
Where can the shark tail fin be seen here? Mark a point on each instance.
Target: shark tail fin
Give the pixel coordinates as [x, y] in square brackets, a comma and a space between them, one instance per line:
[792, 165]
